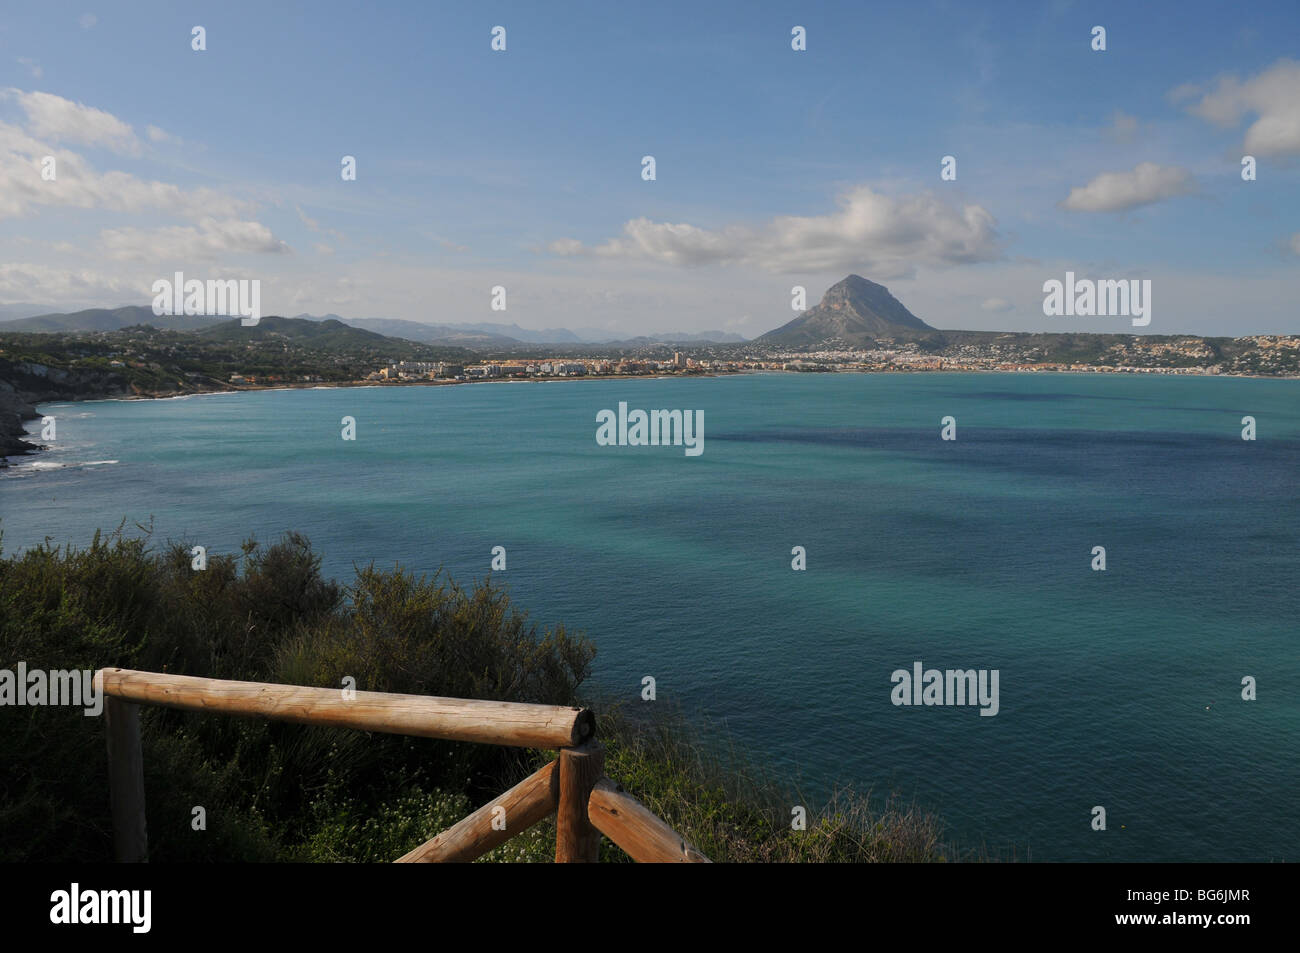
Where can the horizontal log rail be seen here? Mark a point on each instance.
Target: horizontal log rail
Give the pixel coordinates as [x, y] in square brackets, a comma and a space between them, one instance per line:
[573, 787]
[424, 716]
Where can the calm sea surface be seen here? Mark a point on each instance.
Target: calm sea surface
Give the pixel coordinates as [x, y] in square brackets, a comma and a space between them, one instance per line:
[1119, 688]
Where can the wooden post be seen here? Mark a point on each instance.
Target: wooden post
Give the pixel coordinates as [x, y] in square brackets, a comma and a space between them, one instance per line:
[576, 840]
[126, 780]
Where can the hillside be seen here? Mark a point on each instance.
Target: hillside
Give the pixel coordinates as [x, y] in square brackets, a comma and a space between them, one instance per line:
[328, 335]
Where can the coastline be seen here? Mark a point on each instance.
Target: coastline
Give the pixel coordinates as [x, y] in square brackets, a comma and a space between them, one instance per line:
[16, 409]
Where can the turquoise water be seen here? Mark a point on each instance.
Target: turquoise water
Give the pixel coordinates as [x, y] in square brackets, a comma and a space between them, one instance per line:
[967, 554]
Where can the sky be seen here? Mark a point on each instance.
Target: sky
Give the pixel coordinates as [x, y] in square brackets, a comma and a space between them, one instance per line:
[774, 168]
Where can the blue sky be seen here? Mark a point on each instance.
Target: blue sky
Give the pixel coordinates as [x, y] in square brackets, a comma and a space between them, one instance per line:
[774, 167]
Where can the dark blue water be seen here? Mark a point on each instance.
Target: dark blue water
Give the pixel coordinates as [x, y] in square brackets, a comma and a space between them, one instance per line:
[1119, 688]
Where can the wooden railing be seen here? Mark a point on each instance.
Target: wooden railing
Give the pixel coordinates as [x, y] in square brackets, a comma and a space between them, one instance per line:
[573, 787]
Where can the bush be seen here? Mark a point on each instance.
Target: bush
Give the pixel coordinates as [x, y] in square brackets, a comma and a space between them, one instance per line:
[266, 615]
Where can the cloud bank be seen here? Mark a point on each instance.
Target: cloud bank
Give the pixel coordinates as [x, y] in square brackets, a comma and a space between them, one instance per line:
[882, 234]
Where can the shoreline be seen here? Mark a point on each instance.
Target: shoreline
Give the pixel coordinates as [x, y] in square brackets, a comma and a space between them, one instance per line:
[36, 450]
[325, 385]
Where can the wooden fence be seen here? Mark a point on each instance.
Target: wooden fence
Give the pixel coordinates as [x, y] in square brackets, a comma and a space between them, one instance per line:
[573, 787]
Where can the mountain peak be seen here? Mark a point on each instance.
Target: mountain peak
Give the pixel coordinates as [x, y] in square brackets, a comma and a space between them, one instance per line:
[853, 311]
[854, 281]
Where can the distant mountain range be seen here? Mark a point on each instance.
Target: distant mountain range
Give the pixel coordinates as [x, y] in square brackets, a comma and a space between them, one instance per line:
[466, 335]
[481, 335]
[485, 334]
[853, 312]
[12, 312]
[321, 333]
[105, 319]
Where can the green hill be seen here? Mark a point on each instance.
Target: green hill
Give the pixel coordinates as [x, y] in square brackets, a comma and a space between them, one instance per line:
[328, 335]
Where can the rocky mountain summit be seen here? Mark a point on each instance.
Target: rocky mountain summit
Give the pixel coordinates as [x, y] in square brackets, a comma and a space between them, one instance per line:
[852, 312]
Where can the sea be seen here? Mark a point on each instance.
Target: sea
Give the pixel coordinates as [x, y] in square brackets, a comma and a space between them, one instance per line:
[1164, 688]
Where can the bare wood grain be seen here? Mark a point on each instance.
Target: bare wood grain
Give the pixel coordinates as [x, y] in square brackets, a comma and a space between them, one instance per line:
[632, 826]
[576, 841]
[424, 716]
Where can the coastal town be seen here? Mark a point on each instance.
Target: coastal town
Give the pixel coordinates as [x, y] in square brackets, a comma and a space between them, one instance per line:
[1269, 355]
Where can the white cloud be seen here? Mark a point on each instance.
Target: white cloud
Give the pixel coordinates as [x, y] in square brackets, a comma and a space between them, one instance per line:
[1273, 97]
[28, 282]
[208, 240]
[61, 120]
[77, 185]
[870, 232]
[87, 20]
[32, 66]
[52, 119]
[1118, 191]
[996, 305]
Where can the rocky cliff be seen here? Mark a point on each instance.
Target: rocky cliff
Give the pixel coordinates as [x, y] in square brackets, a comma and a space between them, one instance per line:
[25, 384]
